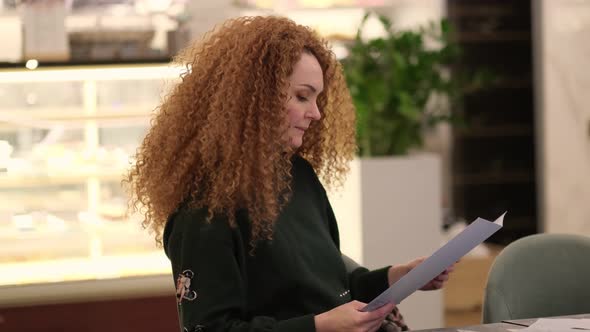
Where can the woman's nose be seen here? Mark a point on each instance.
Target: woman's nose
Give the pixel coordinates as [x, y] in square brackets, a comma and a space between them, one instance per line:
[314, 113]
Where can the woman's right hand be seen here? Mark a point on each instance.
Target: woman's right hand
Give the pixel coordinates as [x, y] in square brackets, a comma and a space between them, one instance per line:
[349, 318]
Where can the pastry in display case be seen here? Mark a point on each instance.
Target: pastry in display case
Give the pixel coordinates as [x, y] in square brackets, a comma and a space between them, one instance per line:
[66, 137]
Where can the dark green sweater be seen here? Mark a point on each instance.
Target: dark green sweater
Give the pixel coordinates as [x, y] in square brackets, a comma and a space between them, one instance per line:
[300, 273]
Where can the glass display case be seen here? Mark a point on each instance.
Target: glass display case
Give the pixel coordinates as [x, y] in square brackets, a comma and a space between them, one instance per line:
[311, 3]
[66, 137]
[335, 20]
[90, 31]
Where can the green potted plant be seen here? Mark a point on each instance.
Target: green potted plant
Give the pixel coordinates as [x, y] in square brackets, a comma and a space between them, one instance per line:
[401, 85]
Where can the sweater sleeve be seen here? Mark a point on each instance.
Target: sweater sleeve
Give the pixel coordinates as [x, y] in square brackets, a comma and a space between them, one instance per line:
[210, 287]
[365, 285]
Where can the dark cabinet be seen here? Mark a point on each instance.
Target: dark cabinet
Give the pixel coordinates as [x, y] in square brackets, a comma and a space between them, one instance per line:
[494, 160]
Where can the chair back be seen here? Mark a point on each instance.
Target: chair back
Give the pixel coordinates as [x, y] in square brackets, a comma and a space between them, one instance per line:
[539, 276]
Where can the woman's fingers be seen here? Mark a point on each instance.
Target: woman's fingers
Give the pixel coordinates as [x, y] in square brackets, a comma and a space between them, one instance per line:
[382, 312]
[358, 305]
[375, 325]
[377, 317]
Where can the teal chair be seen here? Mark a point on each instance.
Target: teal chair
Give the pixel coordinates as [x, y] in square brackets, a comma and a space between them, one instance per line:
[539, 276]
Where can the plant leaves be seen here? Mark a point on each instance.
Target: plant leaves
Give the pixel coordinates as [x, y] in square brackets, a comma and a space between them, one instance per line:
[392, 78]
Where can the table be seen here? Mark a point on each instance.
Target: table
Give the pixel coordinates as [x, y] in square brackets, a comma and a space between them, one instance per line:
[512, 324]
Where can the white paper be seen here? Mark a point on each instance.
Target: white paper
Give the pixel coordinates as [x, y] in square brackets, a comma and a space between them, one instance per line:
[447, 255]
[558, 325]
[583, 323]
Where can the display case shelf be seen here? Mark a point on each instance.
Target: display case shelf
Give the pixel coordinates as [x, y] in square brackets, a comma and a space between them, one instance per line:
[56, 180]
[66, 138]
[66, 114]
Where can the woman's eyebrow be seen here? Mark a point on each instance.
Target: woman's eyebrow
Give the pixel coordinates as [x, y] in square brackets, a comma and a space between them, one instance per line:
[311, 87]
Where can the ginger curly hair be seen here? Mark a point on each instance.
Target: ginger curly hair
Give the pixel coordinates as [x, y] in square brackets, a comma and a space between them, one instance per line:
[216, 141]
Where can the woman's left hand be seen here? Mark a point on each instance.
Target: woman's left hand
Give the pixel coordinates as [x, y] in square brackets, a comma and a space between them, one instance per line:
[397, 271]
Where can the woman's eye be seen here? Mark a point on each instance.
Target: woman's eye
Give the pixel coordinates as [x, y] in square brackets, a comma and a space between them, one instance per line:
[301, 98]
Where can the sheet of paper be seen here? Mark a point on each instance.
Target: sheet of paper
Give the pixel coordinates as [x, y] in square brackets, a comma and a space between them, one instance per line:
[451, 252]
[583, 323]
[559, 324]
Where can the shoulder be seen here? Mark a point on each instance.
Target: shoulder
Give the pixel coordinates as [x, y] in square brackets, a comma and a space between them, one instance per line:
[192, 225]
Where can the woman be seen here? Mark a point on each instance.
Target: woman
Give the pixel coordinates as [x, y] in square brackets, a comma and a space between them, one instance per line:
[227, 179]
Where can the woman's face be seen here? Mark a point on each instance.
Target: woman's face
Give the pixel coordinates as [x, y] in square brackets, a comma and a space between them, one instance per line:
[305, 84]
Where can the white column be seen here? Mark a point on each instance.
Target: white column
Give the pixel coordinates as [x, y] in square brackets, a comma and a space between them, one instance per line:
[562, 78]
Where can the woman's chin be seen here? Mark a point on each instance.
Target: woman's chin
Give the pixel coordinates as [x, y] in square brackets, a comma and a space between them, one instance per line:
[296, 142]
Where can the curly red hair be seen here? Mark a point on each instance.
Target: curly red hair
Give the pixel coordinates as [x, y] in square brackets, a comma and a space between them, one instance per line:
[216, 140]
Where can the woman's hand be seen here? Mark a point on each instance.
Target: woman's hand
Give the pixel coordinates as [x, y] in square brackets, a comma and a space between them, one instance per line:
[349, 318]
[397, 271]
